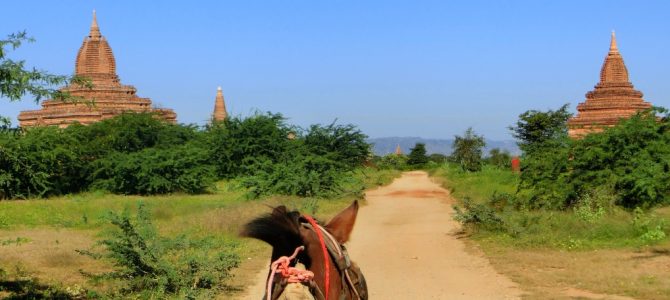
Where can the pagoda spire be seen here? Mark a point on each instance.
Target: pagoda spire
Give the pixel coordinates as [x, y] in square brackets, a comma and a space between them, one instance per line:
[613, 69]
[220, 113]
[95, 30]
[613, 47]
[398, 151]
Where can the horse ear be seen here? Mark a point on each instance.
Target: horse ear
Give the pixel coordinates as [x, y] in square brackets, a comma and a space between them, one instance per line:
[342, 224]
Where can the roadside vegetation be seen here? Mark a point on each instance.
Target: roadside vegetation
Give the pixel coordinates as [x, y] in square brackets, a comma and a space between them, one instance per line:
[164, 201]
[587, 214]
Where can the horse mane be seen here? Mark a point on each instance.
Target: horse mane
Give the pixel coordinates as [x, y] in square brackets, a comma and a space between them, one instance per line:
[280, 229]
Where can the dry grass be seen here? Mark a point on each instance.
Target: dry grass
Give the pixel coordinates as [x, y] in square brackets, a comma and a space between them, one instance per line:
[597, 274]
[49, 254]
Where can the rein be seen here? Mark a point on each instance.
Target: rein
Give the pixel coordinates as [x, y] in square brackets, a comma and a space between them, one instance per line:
[326, 257]
[293, 275]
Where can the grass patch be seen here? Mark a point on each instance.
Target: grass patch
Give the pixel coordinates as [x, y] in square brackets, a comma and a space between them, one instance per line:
[478, 186]
[41, 235]
[594, 246]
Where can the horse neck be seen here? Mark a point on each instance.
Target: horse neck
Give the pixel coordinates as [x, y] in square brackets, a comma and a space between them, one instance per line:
[318, 267]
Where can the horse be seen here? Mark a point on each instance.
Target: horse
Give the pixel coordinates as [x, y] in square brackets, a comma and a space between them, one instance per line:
[313, 254]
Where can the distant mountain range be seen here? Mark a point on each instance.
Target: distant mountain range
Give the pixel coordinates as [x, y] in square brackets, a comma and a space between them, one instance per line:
[386, 145]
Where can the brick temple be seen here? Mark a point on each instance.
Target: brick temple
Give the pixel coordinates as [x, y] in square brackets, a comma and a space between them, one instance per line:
[612, 99]
[106, 99]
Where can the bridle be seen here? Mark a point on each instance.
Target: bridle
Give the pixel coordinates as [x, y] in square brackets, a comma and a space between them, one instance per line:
[331, 248]
[326, 259]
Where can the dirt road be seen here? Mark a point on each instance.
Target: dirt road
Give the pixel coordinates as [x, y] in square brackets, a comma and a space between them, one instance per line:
[404, 241]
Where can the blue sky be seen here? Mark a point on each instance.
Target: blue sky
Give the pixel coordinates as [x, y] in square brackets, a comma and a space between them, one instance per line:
[394, 68]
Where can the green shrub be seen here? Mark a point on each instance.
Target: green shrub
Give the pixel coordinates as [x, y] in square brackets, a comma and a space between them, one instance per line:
[590, 207]
[632, 159]
[301, 175]
[478, 216]
[154, 171]
[392, 162]
[137, 153]
[649, 228]
[151, 266]
[129, 132]
[42, 162]
[344, 144]
[237, 144]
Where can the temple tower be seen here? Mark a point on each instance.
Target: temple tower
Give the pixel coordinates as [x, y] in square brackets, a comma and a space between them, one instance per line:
[613, 98]
[220, 112]
[105, 99]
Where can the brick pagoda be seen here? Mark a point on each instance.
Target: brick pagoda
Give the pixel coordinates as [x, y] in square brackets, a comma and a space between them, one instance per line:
[220, 112]
[106, 99]
[612, 99]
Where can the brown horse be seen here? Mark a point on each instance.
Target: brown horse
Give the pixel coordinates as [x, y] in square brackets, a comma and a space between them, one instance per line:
[287, 230]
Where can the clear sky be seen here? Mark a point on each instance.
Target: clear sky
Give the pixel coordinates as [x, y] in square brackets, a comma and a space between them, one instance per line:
[394, 68]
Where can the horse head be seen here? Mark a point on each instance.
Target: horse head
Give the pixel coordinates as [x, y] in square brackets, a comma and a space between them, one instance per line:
[323, 254]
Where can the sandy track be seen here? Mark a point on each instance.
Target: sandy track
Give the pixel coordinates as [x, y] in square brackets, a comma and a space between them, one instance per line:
[404, 241]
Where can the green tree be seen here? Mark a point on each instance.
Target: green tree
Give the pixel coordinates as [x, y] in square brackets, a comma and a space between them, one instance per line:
[543, 138]
[16, 80]
[534, 128]
[417, 156]
[468, 150]
[237, 144]
[341, 143]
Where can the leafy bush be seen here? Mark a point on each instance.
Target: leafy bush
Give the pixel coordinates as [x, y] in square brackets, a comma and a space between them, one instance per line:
[650, 228]
[129, 132]
[136, 153]
[41, 162]
[590, 208]
[477, 215]
[340, 143]
[468, 151]
[237, 144]
[392, 162]
[301, 175]
[151, 266]
[154, 171]
[632, 157]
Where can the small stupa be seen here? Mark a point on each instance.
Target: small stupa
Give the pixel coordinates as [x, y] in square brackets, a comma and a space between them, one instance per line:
[220, 112]
[398, 151]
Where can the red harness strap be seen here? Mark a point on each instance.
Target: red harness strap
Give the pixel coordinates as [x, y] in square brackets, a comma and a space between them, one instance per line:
[326, 256]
